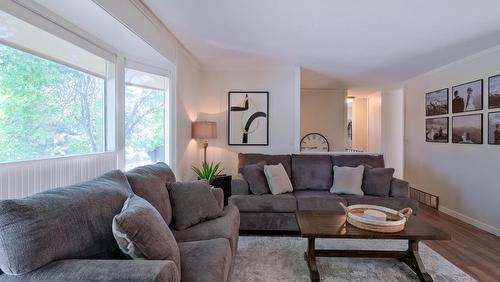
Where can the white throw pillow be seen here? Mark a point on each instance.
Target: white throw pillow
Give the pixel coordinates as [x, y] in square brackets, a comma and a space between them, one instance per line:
[278, 179]
[347, 180]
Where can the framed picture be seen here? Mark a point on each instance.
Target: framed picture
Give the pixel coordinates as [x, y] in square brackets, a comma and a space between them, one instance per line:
[436, 102]
[436, 130]
[494, 128]
[467, 97]
[248, 118]
[494, 92]
[467, 129]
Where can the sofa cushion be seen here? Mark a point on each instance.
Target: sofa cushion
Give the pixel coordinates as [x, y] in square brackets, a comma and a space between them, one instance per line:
[94, 270]
[319, 200]
[192, 202]
[273, 221]
[247, 159]
[311, 172]
[68, 222]
[254, 175]
[204, 261]
[347, 180]
[278, 180]
[225, 226]
[141, 232]
[148, 182]
[377, 181]
[388, 202]
[354, 160]
[264, 203]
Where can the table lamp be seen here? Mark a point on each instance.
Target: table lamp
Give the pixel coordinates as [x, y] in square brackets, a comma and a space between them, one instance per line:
[204, 130]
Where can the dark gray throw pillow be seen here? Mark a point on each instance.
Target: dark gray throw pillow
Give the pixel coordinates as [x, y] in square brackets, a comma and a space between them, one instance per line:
[254, 175]
[192, 202]
[141, 232]
[377, 181]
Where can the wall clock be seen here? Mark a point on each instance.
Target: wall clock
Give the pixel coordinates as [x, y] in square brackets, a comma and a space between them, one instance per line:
[314, 142]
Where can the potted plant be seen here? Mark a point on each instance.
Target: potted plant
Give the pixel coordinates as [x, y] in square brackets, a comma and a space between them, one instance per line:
[207, 171]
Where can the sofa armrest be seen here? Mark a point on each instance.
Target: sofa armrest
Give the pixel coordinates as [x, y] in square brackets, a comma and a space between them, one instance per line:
[239, 187]
[103, 270]
[400, 188]
[219, 196]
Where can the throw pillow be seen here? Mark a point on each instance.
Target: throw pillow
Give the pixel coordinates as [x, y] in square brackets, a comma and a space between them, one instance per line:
[347, 180]
[278, 179]
[256, 178]
[192, 202]
[141, 232]
[377, 181]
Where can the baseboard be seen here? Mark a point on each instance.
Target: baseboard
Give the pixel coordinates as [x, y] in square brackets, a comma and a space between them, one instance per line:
[470, 220]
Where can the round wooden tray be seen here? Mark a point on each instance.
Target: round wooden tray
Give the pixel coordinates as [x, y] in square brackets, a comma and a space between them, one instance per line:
[395, 222]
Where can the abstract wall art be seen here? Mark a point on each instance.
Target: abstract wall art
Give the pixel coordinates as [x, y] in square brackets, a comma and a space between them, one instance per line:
[248, 118]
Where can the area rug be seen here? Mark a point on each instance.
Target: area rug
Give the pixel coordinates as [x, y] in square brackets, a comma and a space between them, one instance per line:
[282, 259]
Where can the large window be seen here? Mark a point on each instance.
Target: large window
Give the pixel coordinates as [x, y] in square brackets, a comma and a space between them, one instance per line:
[52, 95]
[145, 117]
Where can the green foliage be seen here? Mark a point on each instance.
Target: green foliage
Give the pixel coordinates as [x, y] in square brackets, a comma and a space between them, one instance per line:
[208, 171]
[144, 123]
[47, 109]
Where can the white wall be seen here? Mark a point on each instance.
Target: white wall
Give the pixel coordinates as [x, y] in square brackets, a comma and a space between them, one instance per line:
[283, 85]
[187, 106]
[466, 177]
[392, 130]
[360, 124]
[324, 112]
[374, 122]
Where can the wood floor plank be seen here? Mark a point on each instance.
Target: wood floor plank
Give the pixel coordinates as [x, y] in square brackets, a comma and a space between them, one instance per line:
[473, 250]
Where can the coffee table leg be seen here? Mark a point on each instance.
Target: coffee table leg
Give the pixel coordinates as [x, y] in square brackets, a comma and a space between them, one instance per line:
[413, 260]
[310, 258]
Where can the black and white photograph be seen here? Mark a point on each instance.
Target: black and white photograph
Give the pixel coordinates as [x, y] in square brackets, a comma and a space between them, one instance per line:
[436, 102]
[467, 129]
[248, 118]
[436, 130]
[467, 97]
[494, 128]
[494, 92]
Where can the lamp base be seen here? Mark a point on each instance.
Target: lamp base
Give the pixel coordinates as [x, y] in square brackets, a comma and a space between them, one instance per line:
[205, 145]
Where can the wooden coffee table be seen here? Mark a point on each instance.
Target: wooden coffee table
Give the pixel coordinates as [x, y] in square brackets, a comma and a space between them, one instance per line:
[324, 224]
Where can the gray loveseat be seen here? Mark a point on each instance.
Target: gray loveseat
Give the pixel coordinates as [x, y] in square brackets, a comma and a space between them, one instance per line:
[65, 234]
[312, 178]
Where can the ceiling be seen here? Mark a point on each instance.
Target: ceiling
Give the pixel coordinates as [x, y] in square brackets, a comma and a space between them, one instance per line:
[350, 43]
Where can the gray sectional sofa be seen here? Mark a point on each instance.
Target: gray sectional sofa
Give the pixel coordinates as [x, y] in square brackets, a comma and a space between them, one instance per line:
[65, 234]
[312, 178]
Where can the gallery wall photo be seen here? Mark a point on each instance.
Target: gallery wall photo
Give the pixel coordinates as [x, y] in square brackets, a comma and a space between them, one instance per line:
[248, 118]
[494, 92]
[436, 102]
[467, 129]
[436, 130]
[494, 128]
[467, 97]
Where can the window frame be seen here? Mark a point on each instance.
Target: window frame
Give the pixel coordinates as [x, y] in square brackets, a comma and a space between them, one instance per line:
[30, 16]
[167, 109]
[39, 16]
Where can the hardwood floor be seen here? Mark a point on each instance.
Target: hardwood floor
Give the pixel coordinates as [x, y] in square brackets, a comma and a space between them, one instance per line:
[471, 249]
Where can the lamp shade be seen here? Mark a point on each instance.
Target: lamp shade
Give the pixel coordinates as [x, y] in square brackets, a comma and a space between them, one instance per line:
[204, 130]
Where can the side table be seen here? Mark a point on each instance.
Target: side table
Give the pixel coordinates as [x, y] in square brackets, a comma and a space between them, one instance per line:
[223, 181]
